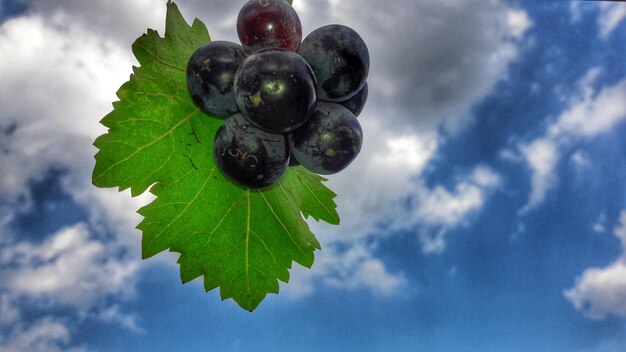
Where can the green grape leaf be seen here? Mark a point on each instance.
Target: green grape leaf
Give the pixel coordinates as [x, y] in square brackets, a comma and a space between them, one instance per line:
[240, 240]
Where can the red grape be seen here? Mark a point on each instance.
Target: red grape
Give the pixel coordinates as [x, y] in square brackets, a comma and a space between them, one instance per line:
[264, 24]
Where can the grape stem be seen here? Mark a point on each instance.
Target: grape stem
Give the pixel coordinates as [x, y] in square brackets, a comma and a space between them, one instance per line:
[290, 2]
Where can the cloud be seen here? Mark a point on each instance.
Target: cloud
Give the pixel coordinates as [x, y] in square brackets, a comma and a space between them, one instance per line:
[9, 313]
[354, 268]
[611, 15]
[448, 56]
[45, 335]
[115, 315]
[69, 277]
[69, 57]
[593, 114]
[69, 268]
[518, 22]
[433, 212]
[601, 292]
[590, 113]
[430, 212]
[118, 20]
[542, 157]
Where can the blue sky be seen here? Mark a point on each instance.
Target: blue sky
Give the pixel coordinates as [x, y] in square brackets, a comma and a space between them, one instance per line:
[490, 212]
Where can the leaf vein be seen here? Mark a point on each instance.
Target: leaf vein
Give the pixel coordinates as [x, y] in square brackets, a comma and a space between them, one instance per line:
[281, 223]
[139, 149]
[313, 193]
[161, 61]
[195, 197]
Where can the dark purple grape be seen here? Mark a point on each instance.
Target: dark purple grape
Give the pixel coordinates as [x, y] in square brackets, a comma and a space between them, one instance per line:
[329, 141]
[275, 90]
[210, 77]
[357, 102]
[248, 156]
[264, 24]
[340, 60]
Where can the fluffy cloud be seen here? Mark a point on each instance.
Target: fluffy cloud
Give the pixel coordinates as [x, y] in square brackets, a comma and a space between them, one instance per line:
[424, 83]
[428, 79]
[433, 212]
[59, 80]
[69, 268]
[350, 269]
[67, 59]
[542, 156]
[436, 71]
[590, 114]
[433, 74]
[46, 335]
[601, 292]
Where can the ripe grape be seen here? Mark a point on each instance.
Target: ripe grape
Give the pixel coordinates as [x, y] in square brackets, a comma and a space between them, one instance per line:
[340, 60]
[210, 77]
[248, 156]
[329, 141]
[275, 90]
[357, 102]
[264, 24]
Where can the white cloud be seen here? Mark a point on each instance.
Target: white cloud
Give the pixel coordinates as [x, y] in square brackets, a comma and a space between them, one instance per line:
[611, 15]
[601, 292]
[425, 85]
[518, 22]
[433, 212]
[351, 269]
[590, 114]
[435, 72]
[542, 156]
[61, 66]
[70, 268]
[69, 57]
[45, 335]
[115, 315]
[439, 206]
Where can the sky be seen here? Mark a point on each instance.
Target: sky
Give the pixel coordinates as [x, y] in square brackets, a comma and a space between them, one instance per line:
[489, 211]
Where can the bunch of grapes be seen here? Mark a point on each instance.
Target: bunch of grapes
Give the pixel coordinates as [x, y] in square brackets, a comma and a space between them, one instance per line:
[286, 101]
